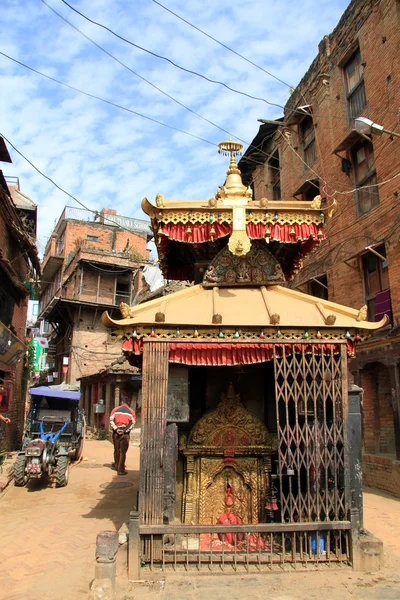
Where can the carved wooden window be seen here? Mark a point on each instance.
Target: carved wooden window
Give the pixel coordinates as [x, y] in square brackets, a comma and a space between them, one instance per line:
[363, 160]
[354, 84]
[376, 282]
[307, 135]
[275, 175]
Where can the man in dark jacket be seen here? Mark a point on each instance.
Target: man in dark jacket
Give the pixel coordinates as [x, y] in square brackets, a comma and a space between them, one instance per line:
[122, 420]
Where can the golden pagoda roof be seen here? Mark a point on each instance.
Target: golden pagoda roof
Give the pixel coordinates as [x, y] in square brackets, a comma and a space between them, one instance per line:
[243, 307]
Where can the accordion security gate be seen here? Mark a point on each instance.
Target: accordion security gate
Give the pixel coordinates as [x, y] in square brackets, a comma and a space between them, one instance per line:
[311, 403]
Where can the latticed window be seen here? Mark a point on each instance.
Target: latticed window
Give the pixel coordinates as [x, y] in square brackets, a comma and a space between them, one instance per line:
[275, 176]
[355, 89]
[376, 281]
[307, 134]
[367, 194]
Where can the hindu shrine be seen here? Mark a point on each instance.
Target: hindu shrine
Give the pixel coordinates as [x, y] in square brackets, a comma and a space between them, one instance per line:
[244, 445]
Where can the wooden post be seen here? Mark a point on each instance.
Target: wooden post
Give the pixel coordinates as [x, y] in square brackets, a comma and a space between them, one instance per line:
[92, 397]
[108, 407]
[98, 288]
[395, 385]
[154, 402]
[117, 395]
[134, 547]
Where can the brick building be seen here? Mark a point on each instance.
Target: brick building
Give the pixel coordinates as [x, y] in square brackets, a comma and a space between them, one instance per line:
[19, 264]
[91, 262]
[314, 150]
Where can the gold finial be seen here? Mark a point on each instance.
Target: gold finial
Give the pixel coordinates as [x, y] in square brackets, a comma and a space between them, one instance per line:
[230, 147]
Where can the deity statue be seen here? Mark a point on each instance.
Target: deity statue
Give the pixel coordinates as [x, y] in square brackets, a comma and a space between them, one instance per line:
[229, 518]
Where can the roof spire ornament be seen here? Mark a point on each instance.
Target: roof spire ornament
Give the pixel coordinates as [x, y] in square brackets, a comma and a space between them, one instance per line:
[236, 195]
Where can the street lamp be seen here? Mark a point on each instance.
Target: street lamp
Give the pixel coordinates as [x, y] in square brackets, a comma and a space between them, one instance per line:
[365, 126]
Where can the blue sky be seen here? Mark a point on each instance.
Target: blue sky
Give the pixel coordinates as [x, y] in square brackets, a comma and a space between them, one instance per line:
[109, 158]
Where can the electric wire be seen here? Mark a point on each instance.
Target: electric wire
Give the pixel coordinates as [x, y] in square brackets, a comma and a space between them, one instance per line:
[95, 212]
[223, 45]
[75, 89]
[169, 60]
[138, 75]
[146, 80]
[124, 108]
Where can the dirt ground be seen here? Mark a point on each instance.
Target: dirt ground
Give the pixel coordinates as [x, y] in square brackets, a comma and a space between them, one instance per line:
[381, 517]
[48, 535]
[48, 540]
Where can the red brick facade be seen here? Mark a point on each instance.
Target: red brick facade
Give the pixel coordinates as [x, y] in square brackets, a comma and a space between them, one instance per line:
[18, 262]
[89, 267]
[356, 73]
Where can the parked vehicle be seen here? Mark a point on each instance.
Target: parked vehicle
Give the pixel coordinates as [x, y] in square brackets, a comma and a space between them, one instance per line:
[54, 435]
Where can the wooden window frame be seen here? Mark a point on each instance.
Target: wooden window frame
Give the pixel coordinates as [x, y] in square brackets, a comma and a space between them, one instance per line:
[357, 91]
[369, 178]
[308, 142]
[368, 295]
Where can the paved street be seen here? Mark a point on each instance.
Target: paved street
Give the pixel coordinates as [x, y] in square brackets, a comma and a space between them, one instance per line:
[48, 534]
[48, 541]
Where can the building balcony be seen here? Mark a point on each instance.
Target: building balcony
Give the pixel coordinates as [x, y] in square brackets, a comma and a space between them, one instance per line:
[11, 348]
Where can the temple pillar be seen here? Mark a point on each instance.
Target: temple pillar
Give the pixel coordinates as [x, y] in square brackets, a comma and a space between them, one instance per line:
[154, 399]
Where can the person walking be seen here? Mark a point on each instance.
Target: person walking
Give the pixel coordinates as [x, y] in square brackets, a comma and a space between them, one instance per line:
[122, 420]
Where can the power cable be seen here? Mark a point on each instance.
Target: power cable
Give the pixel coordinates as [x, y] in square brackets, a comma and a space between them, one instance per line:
[75, 89]
[138, 75]
[146, 80]
[95, 212]
[169, 60]
[124, 108]
[223, 45]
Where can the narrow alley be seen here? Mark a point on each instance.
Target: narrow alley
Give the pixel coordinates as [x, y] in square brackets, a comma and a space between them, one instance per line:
[48, 535]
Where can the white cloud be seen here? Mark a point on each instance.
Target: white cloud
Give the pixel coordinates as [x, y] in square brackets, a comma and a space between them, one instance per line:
[105, 156]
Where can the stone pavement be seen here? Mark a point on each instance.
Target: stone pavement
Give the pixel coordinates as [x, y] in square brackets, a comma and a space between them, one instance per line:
[48, 535]
[48, 541]
[382, 517]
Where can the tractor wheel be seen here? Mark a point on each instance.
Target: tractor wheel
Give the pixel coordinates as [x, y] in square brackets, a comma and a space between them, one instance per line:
[79, 449]
[20, 477]
[62, 471]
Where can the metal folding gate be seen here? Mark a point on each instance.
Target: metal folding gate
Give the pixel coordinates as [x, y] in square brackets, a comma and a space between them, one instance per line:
[311, 406]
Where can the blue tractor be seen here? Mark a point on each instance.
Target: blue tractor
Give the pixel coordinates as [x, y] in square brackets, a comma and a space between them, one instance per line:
[54, 435]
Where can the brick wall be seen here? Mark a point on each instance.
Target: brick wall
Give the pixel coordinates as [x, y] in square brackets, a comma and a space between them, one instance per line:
[375, 27]
[12, 434]
[92, 347]
[382, 472]
[109, 238]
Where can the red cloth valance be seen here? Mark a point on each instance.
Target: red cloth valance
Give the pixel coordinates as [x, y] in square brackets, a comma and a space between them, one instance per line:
[134, 345]
[200, 232]
[228, 353]
[205, 232]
